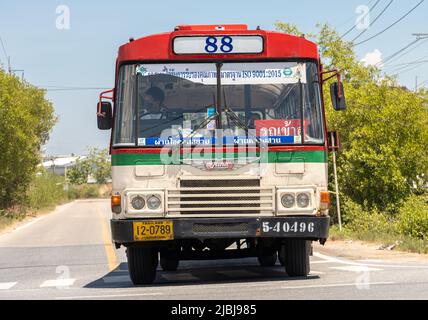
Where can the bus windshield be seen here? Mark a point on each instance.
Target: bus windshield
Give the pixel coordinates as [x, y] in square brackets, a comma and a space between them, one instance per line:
[267, 98]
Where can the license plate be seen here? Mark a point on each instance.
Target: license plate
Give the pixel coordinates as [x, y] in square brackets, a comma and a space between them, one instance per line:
[153, 230]
[288, 227]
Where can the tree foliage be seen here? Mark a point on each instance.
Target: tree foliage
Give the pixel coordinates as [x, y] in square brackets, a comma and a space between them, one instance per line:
[384, 131]
[96, 165]
[26, 118]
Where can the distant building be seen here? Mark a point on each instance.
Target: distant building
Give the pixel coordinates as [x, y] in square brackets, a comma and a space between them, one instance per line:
[59, 164]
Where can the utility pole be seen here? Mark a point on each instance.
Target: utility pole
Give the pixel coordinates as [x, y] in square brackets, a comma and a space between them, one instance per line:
[9, 67]
[335, 144]
[419, 36]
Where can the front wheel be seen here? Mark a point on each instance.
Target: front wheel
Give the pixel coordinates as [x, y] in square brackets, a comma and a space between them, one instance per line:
[296, 257]
[142, 264]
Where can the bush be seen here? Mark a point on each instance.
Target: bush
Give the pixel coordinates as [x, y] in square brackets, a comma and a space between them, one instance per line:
[26, 119]
[46, 189]
[413, 218]
[83, 192]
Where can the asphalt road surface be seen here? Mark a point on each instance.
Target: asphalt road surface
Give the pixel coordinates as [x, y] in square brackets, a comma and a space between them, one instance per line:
[68, 255]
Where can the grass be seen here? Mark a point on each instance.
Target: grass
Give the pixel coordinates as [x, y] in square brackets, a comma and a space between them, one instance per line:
[46, 191]
[9, 220]
[405, 243]
[92, 191]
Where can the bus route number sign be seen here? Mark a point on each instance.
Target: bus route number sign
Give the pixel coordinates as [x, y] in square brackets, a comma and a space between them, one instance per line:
[218, 44]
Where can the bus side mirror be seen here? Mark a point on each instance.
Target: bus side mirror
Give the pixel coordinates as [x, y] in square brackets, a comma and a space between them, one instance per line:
[104, 115]
[338, 96]
[333, 141]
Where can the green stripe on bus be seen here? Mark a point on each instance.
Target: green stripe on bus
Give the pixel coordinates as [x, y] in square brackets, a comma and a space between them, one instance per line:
[131, 159]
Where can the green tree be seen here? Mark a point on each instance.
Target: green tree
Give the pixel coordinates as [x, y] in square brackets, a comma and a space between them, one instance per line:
[101, 165]
[78, 174]
[26, 118]
[96, 164]
[384, 131]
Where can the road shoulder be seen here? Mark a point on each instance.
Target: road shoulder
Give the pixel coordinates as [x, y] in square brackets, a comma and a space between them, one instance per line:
[33, 217]
[356, 250]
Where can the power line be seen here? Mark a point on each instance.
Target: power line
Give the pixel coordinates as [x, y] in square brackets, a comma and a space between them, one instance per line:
[401, 66]
[373, 22]
[391, 25]
[397, 52]
[422, 83]
[355, 25]
[406, 63]
[350, 18]
[4, 49]
[74, 89]
[405, 70]
[70, 87]
[404, 53]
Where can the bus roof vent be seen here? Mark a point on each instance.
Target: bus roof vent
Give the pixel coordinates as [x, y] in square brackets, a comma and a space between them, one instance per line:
[211, 27]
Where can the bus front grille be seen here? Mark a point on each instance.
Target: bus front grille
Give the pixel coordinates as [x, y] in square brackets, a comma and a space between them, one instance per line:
[220, 196]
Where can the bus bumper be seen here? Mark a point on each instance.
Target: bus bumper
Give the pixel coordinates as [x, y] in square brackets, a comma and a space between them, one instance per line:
[309, 228]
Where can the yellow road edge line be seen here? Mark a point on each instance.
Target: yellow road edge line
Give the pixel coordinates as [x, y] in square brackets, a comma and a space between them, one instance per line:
[108, 245]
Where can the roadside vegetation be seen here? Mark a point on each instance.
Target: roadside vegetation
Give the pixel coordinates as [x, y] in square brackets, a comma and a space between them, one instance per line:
[45, 192]
[26, 119]
[383, 163]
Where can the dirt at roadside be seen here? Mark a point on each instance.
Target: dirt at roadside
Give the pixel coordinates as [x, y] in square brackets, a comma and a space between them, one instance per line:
[358, 250]
[30, 217]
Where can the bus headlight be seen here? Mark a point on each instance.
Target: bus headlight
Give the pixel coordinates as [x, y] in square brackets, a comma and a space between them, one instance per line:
[138, 203]
[153, 203]
[287, 200]
[303, 200]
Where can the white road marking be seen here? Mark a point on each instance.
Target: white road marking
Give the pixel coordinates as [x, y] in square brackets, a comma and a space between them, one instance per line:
[335, 285]
[356, 268]
[117, 279]
[321, 262]
[349, 262]
[110, 296]
[28, 224]
[57, 283]
[7, 285]
[316, 272]
[179, 277]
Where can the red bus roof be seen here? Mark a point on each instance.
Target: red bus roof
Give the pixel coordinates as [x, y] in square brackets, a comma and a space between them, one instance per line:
[277, 45]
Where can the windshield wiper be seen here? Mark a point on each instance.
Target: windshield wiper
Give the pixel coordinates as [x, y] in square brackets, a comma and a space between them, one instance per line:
[198, 127]
[235, 119]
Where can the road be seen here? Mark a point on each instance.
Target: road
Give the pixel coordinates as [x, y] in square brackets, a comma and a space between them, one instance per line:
[68, 255]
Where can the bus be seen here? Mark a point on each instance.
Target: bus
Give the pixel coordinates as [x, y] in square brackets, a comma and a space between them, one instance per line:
[219, 148]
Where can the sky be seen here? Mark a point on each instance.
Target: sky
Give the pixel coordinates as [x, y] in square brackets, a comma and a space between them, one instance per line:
[84, 54]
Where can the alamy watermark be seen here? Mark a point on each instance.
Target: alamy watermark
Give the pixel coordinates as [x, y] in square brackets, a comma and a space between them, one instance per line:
[63, 20]
[363, 19]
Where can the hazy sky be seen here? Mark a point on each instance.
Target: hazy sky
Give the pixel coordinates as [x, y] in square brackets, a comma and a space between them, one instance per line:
[84, 55]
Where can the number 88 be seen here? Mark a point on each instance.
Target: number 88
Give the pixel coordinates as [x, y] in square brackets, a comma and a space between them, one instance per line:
[212, 47]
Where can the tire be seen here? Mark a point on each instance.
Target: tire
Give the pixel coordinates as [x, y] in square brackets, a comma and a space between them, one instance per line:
[142, 264]
[296, 256]
[169, 264]
[268, 261]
